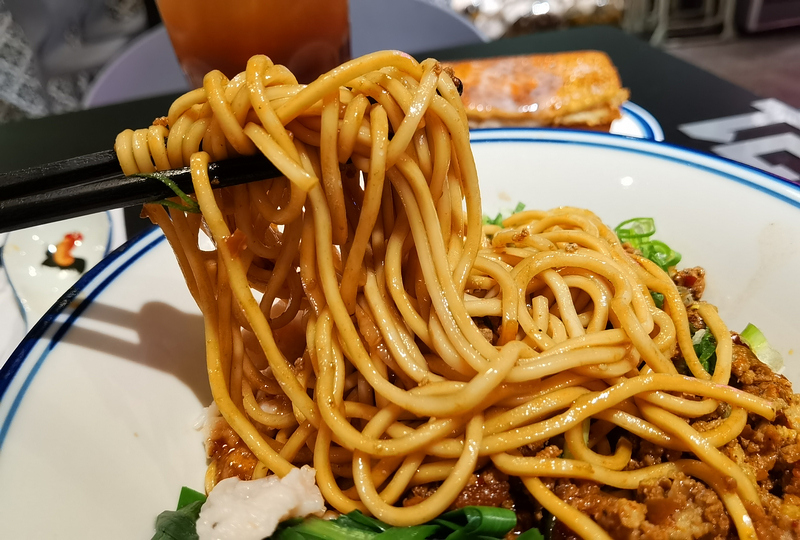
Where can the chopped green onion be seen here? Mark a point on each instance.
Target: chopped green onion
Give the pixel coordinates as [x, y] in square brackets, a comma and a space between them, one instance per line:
[661, 254]
[531, 534]
[500, 217]
[497, 220]
[191, 205]
[638, 233]
[636, 228]
[755, 339]
[705, 347]
[658, 298]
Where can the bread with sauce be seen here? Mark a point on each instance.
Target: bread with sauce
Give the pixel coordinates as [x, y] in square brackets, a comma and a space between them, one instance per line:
[573, 89]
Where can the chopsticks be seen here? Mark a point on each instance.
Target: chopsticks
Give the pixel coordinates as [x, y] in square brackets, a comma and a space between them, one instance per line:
[95, 183]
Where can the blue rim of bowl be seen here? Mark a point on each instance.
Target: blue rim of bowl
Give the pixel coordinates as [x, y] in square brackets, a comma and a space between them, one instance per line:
[57, 321]
[54, 324]
[740, 173]
[647, 122]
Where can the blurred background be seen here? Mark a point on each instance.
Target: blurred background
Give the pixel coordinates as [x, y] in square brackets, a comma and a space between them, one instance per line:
[55, 53]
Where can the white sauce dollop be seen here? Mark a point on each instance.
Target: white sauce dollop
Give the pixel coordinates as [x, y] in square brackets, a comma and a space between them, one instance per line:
[251, 510]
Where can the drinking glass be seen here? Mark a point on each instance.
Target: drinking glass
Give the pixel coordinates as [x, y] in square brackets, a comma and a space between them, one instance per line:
[309, 37]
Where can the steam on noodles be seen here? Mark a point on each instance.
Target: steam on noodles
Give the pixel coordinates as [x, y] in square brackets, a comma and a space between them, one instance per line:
[359, 318]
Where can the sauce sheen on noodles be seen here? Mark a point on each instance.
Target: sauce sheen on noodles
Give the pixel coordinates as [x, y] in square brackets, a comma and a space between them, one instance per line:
[359, 317]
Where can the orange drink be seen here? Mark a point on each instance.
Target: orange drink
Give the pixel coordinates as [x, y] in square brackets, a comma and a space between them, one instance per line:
[310, 37]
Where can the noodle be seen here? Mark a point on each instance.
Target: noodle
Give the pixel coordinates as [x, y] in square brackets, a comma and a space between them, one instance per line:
[359, 317]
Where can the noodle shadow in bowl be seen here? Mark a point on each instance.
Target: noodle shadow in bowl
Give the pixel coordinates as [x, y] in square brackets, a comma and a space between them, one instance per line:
[138, 336]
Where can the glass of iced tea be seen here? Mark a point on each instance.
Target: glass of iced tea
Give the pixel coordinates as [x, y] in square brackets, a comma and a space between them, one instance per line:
[310, 37]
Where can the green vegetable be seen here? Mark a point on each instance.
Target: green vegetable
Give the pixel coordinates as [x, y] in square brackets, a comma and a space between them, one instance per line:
[478, 522]
[470, 523]
[188, 496]
[178, 524]
[683, 369]
[418, 532]
[500, 217]
[705, 347]
[181, 524]
[658, 298]
[638, 233]
[531, 534]
[642, 228]
[497, 220]
[548, 524]
[191, 205]
[755, 339]
[319, 529]
[357, 519]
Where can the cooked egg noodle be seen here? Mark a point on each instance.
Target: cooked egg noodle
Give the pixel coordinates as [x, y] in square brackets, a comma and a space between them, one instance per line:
[358, 316]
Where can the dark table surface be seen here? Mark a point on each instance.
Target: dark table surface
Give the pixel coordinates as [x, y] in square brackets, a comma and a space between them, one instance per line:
[674, 91]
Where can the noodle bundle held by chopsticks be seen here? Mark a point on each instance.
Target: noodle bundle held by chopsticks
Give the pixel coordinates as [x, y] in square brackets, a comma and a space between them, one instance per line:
[361, 319]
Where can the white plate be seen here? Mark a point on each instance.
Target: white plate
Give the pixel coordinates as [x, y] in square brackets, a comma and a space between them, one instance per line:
[98, 404]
